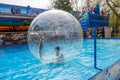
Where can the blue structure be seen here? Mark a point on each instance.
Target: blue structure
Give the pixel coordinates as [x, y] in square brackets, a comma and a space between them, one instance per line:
[12, 15]
[88, 20]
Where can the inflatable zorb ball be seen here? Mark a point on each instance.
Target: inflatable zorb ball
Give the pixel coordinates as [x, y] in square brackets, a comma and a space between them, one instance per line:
[54, 28]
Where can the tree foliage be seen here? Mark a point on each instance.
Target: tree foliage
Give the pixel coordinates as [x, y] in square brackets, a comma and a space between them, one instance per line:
[113, 20]
[63, 5]
[114, 6]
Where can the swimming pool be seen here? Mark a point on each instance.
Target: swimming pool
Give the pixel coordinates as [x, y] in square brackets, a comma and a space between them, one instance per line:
[17, 62]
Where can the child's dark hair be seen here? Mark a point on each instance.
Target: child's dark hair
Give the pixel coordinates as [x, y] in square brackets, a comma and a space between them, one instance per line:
[57, 48]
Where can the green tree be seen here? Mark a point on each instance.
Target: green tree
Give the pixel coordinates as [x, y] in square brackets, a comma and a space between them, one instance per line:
[113, 20]
[63, 5]
[114, 6]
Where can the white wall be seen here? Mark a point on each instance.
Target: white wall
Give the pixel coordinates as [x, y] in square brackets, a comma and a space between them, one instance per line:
[111, 73]
[107, 32]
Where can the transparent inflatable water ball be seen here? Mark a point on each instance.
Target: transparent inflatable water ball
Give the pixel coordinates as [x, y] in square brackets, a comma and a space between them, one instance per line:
[54, 28]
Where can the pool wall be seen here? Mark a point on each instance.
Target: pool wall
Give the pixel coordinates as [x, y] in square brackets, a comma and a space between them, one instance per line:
[111, 73]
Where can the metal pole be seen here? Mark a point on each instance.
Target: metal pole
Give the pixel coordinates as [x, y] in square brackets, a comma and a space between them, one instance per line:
[95, 50]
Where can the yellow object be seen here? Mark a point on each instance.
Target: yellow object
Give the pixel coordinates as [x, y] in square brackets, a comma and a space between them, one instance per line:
[85, 17]
[114, 71]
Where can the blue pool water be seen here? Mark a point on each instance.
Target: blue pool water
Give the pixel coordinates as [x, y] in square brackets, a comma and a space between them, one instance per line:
[17, 62]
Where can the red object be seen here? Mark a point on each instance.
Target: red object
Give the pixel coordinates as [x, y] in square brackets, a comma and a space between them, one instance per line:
[102, 12]
[91, 9]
